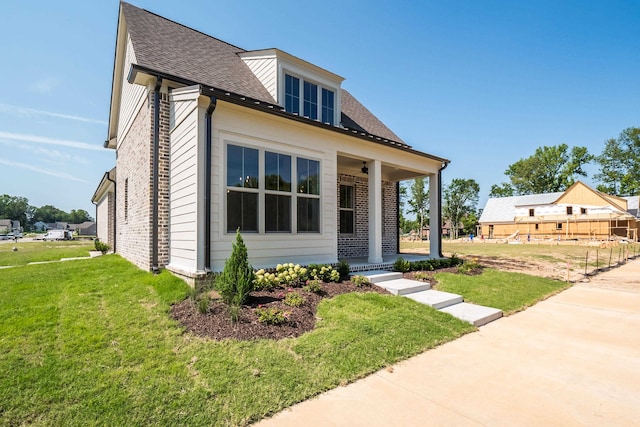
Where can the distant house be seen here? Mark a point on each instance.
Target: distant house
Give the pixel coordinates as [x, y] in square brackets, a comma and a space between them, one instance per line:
[9, 225]
[87, 228]
[40, 226]
[580, 212]
[59, 225]
[211, 138]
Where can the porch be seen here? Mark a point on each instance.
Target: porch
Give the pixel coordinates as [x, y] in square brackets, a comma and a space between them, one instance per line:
[359, 264]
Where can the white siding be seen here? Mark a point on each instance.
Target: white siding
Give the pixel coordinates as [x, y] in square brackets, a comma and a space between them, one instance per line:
[132, 96]
[266, 71]
[184, 184]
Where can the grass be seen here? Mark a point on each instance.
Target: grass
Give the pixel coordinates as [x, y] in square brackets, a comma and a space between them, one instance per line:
[91, 342]
[42, 251]
[510, 292]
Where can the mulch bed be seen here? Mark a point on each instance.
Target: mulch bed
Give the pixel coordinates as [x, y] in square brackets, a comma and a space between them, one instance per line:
[217, 324]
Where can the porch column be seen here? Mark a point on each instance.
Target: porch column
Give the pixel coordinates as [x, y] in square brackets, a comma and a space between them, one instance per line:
[375, 211]
[435, 215]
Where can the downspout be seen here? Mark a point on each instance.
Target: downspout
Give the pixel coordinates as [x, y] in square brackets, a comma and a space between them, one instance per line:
[154, 174]
[207, 182]
[115, 200]
[439, 225]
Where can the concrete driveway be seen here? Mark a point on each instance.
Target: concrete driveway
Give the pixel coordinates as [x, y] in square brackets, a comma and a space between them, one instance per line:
[571, 360]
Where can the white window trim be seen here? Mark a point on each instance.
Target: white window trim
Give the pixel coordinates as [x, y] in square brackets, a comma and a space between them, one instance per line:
[353, 209]
[261, 190]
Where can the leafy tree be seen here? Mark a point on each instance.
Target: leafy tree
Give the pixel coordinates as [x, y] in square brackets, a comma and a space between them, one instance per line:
[469, 222]
[502, 190]
[49, 213]
[419, 201]
[79, 216]
[460, 199]
[14, 207]
[549, 169]
[620, 164]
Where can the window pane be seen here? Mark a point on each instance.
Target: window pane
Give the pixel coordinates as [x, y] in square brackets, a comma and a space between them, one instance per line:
[346, 222]
[346, 196]
[242, 211]
[242, 167]
[327, 106]
[308, 176]
[291, 94]
[310, 100]
[277, 171]
[308, 215]
[277, 213]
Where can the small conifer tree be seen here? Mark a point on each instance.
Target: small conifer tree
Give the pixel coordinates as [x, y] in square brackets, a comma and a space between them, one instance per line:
[235, 283]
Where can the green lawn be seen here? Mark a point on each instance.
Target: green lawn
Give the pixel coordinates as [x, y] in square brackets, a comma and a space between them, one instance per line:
[90, 342]
[510, 292]
[42, 251]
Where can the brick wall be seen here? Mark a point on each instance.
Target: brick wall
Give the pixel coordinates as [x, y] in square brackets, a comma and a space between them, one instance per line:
[357, 244]
[111, 218]
[163, 182]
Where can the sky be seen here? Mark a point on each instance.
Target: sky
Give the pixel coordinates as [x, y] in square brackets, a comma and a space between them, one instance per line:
[481, 83]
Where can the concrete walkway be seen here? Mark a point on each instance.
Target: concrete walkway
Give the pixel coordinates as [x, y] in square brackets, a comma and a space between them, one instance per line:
[573, 359]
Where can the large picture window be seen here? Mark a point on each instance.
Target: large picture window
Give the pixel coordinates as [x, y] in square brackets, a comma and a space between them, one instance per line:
[264, 184]
[347, 212]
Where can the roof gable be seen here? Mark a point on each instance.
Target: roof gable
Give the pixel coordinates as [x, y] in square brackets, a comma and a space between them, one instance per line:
[173, 49]
[581, 193]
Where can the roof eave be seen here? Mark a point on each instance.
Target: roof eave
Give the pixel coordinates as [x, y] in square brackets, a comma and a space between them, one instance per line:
[139, 74]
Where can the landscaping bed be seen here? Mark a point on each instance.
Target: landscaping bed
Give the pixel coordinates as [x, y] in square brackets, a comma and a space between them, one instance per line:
[216, 323]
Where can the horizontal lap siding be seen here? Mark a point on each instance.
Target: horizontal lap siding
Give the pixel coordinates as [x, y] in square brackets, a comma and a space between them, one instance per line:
[131, 96]
[183, 184]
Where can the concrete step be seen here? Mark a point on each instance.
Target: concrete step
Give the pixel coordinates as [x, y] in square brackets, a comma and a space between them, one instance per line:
[477, 315]
[404, 286]
[377, 276]
[435, 299]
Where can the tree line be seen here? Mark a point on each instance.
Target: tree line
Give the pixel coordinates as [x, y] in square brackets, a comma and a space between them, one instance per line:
[18, 208]
[549, 169]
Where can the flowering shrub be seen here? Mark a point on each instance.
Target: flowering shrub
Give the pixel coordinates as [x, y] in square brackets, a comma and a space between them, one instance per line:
[468, 267]
[421, 275]
[294, 299]
[271, 316]
[285, 275]
[360, 280]
[326, 273]
[313, 285]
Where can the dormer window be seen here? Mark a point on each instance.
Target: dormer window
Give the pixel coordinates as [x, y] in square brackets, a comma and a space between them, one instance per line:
[308, 104]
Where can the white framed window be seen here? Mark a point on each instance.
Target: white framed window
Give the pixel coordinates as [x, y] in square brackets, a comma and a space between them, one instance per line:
[316, 101]
[263, 196]
[347, 209]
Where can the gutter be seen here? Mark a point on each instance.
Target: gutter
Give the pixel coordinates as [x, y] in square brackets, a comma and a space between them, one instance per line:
[277, 110]
[207, 182]
[154, 174]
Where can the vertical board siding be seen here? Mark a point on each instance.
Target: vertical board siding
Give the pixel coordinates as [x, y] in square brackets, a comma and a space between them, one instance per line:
[132, 95]
[183, 178]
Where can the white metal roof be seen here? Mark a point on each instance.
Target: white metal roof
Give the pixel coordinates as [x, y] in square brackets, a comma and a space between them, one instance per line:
[503, 209]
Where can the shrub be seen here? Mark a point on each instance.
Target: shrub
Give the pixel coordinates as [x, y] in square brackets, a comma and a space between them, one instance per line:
[360, 281]
[421, 275]
[265, 280]
[469, 267]
[294, 299]
[401, 265]
[290, 275]
[313, 285]
[235, 283]
[271, 316]
[203, 304]
[323, 272]
[101, 246]
[343, 269]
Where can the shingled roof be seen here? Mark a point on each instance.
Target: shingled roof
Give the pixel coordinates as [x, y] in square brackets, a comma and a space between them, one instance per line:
[173, 49]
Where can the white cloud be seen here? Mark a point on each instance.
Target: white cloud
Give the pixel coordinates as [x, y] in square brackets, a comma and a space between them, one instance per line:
[50, 141]
[30, 112]
[46, 85]
[57, 174]
[50, 154]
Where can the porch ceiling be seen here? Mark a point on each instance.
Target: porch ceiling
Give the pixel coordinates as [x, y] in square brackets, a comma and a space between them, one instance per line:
[353, 166]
